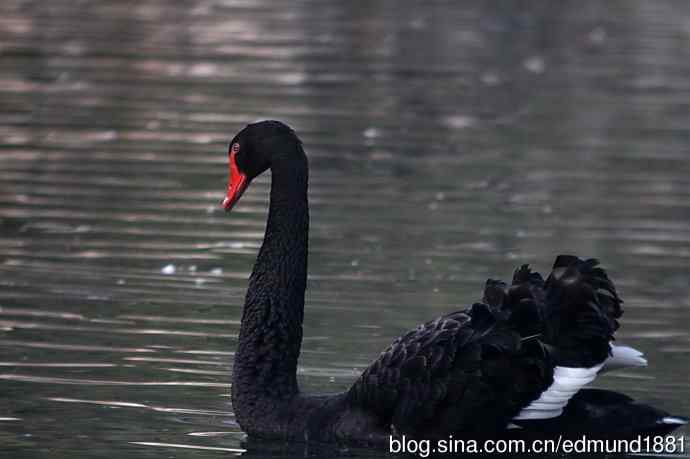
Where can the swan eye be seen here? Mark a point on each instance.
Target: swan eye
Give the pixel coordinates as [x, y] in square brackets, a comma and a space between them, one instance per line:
[235, 148]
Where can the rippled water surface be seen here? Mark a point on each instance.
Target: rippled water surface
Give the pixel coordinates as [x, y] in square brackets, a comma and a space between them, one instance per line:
[448, 142]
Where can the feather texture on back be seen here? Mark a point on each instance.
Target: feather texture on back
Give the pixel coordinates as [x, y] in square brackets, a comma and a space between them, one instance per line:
[498, 356]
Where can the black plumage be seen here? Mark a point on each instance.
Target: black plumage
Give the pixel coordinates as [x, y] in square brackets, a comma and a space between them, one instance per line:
[494, 358]
[466, 373]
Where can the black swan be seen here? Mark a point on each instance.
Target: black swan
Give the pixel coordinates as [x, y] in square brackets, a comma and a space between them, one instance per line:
[513, 364]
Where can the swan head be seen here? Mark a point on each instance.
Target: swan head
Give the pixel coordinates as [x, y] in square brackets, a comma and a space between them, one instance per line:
[252, 151]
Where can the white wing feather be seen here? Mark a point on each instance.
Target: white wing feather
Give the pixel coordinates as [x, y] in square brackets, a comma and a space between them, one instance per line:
[567, 381]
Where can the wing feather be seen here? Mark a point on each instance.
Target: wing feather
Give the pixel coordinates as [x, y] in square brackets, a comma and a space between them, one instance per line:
[435, 380]
[471, 372]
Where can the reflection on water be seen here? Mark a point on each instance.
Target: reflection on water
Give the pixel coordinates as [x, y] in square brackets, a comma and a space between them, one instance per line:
[485, 135]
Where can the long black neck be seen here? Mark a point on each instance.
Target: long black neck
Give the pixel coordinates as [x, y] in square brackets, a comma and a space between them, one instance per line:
[265, 368]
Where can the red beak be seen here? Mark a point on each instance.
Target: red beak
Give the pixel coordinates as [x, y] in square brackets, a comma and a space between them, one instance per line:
[237, 183]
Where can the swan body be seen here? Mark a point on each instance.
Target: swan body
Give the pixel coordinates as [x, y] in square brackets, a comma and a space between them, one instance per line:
[515, 363]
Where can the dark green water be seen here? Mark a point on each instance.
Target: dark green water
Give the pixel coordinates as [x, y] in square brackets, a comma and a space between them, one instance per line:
[449, 142]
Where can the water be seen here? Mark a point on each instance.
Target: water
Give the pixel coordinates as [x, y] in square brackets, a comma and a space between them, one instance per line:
[448, 143]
